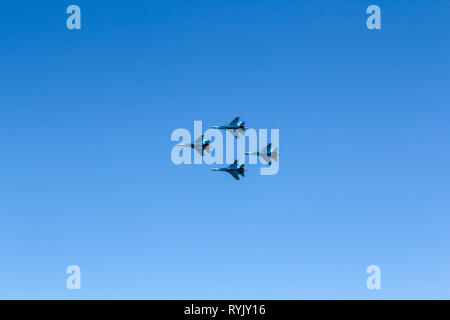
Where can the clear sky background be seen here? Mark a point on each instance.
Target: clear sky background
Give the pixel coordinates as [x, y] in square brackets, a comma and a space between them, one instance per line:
[85, 170]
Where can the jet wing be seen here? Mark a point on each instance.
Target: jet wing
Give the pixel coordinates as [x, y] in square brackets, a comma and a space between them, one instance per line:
[198, 148]
[199, 140]
[266, 158]
[234, 122]
[235, 133]
[234, 174]
[264, 150]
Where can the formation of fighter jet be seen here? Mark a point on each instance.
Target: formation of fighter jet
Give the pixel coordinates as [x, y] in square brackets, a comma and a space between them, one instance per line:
[234, 169]
[235, 127]
[266, 153]
[200, 145]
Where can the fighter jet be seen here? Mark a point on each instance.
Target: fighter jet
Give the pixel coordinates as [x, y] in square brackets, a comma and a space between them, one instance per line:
[235, 170]
[235, 127]
[200, 145]
[266, 153]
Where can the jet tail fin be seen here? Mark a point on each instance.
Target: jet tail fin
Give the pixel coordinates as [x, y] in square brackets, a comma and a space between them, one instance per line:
[242, 173]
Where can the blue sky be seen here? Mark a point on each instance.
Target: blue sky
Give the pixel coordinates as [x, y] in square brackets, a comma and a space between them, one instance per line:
[85, 170]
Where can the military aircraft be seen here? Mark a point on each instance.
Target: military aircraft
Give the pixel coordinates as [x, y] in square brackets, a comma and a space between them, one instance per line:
[200, 145]
[266, 153]
[235, 127]
[234, 169]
